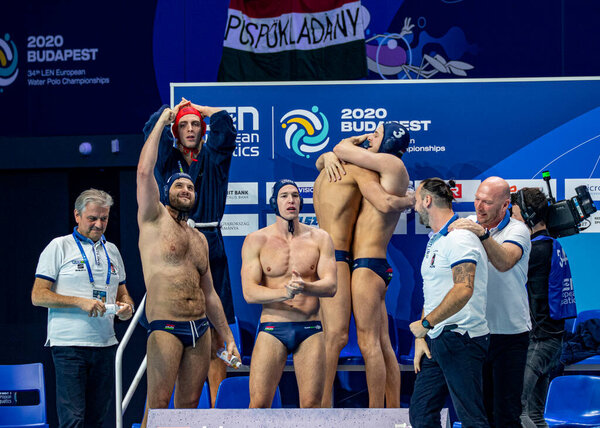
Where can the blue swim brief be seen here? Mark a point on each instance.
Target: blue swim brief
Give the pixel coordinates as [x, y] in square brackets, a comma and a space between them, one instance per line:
[343, 256]
[186, 331]
[380, 266]
[291, 334]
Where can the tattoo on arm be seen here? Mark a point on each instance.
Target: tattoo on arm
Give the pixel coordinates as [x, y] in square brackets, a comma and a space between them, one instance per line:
[464, 273]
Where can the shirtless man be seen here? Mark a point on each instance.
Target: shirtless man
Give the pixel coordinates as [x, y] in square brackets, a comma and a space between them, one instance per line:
[207, 161]
[338, 192]
[286, 267]
[370, 271]
[180, 293]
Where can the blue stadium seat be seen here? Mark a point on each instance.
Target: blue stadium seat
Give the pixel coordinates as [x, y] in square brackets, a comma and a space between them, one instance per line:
[573, 401]
[393, 330]
[408, 359]
[203, 403]
[234, 393]
[351, 355]
[18, 379]
[406, 343]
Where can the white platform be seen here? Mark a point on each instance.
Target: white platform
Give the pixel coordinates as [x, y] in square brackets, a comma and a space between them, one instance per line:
[305, 418]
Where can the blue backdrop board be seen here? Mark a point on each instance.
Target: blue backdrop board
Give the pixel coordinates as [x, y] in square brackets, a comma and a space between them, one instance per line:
[466, 130]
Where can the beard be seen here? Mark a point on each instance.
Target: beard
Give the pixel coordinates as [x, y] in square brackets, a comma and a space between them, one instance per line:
[423, 218]
[179, 205]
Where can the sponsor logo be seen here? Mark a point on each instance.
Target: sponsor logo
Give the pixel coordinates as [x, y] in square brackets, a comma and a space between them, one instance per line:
[312, 327]
[242, 193]
[306, 131]
[304, 187]
[432, 264]
[463, 191]
[9, 58]
[592, 184]
[246, 121]
[239, 224]
[309, 219]
[457, 191]
[517, 184]
[306, 191]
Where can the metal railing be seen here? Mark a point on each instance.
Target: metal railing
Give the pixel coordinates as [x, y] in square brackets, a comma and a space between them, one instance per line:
[121, 404]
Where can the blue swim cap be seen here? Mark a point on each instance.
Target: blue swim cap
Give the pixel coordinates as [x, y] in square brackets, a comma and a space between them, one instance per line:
[276, 188]
[395, 139]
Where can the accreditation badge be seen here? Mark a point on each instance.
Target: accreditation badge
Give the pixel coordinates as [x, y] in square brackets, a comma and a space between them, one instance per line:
[99, 294]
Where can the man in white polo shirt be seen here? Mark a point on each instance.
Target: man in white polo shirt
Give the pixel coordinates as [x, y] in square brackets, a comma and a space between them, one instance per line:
[79, 276]
[507, 244]
[452, 332]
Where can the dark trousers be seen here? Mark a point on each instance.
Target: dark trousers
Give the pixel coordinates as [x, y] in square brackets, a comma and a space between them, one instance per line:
[455, 368]
[85, 384]
[542, 357]
[503, 373]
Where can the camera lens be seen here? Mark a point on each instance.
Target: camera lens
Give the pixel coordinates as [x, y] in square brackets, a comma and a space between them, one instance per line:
[585, 200]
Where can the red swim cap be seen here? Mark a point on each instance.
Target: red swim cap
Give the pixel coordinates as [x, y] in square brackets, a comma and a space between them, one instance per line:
[182, 112]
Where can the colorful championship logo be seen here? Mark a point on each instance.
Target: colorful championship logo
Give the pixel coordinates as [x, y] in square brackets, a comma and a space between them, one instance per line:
[305, 132]
[8, 61]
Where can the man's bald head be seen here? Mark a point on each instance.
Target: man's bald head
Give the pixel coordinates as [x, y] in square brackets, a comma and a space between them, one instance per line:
[498, 185]
[491, 201]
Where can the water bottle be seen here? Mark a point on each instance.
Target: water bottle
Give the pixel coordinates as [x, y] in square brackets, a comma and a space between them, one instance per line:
[111, 308]
[234, 362]
[409, 189]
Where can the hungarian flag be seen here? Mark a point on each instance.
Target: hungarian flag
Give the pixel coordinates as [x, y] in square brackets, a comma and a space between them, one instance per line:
[269, 40]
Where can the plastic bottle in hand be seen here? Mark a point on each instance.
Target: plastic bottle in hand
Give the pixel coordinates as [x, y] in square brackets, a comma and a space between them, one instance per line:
[111, 308]
[234, 362]
[409, 189]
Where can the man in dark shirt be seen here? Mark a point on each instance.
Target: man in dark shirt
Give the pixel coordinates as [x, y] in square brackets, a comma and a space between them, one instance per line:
[545, 340]
[208, 164]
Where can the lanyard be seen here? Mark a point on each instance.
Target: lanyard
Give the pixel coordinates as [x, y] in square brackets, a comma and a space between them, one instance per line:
[85, 259]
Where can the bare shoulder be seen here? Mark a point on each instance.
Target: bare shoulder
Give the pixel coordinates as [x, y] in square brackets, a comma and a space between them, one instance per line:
[258, 237]
[357, 171]
[199, 237]
[317, 234]
[393, 161]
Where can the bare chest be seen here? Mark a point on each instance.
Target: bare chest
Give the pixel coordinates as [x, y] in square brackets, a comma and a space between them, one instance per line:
[279, 257]
[181, 245]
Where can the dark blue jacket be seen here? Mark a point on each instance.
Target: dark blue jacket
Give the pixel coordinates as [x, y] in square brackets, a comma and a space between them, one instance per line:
[583, 344]
[211, 170]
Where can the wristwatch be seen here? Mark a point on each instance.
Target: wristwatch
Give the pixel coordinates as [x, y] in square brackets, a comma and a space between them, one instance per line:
[426, 324]
[485, 236]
